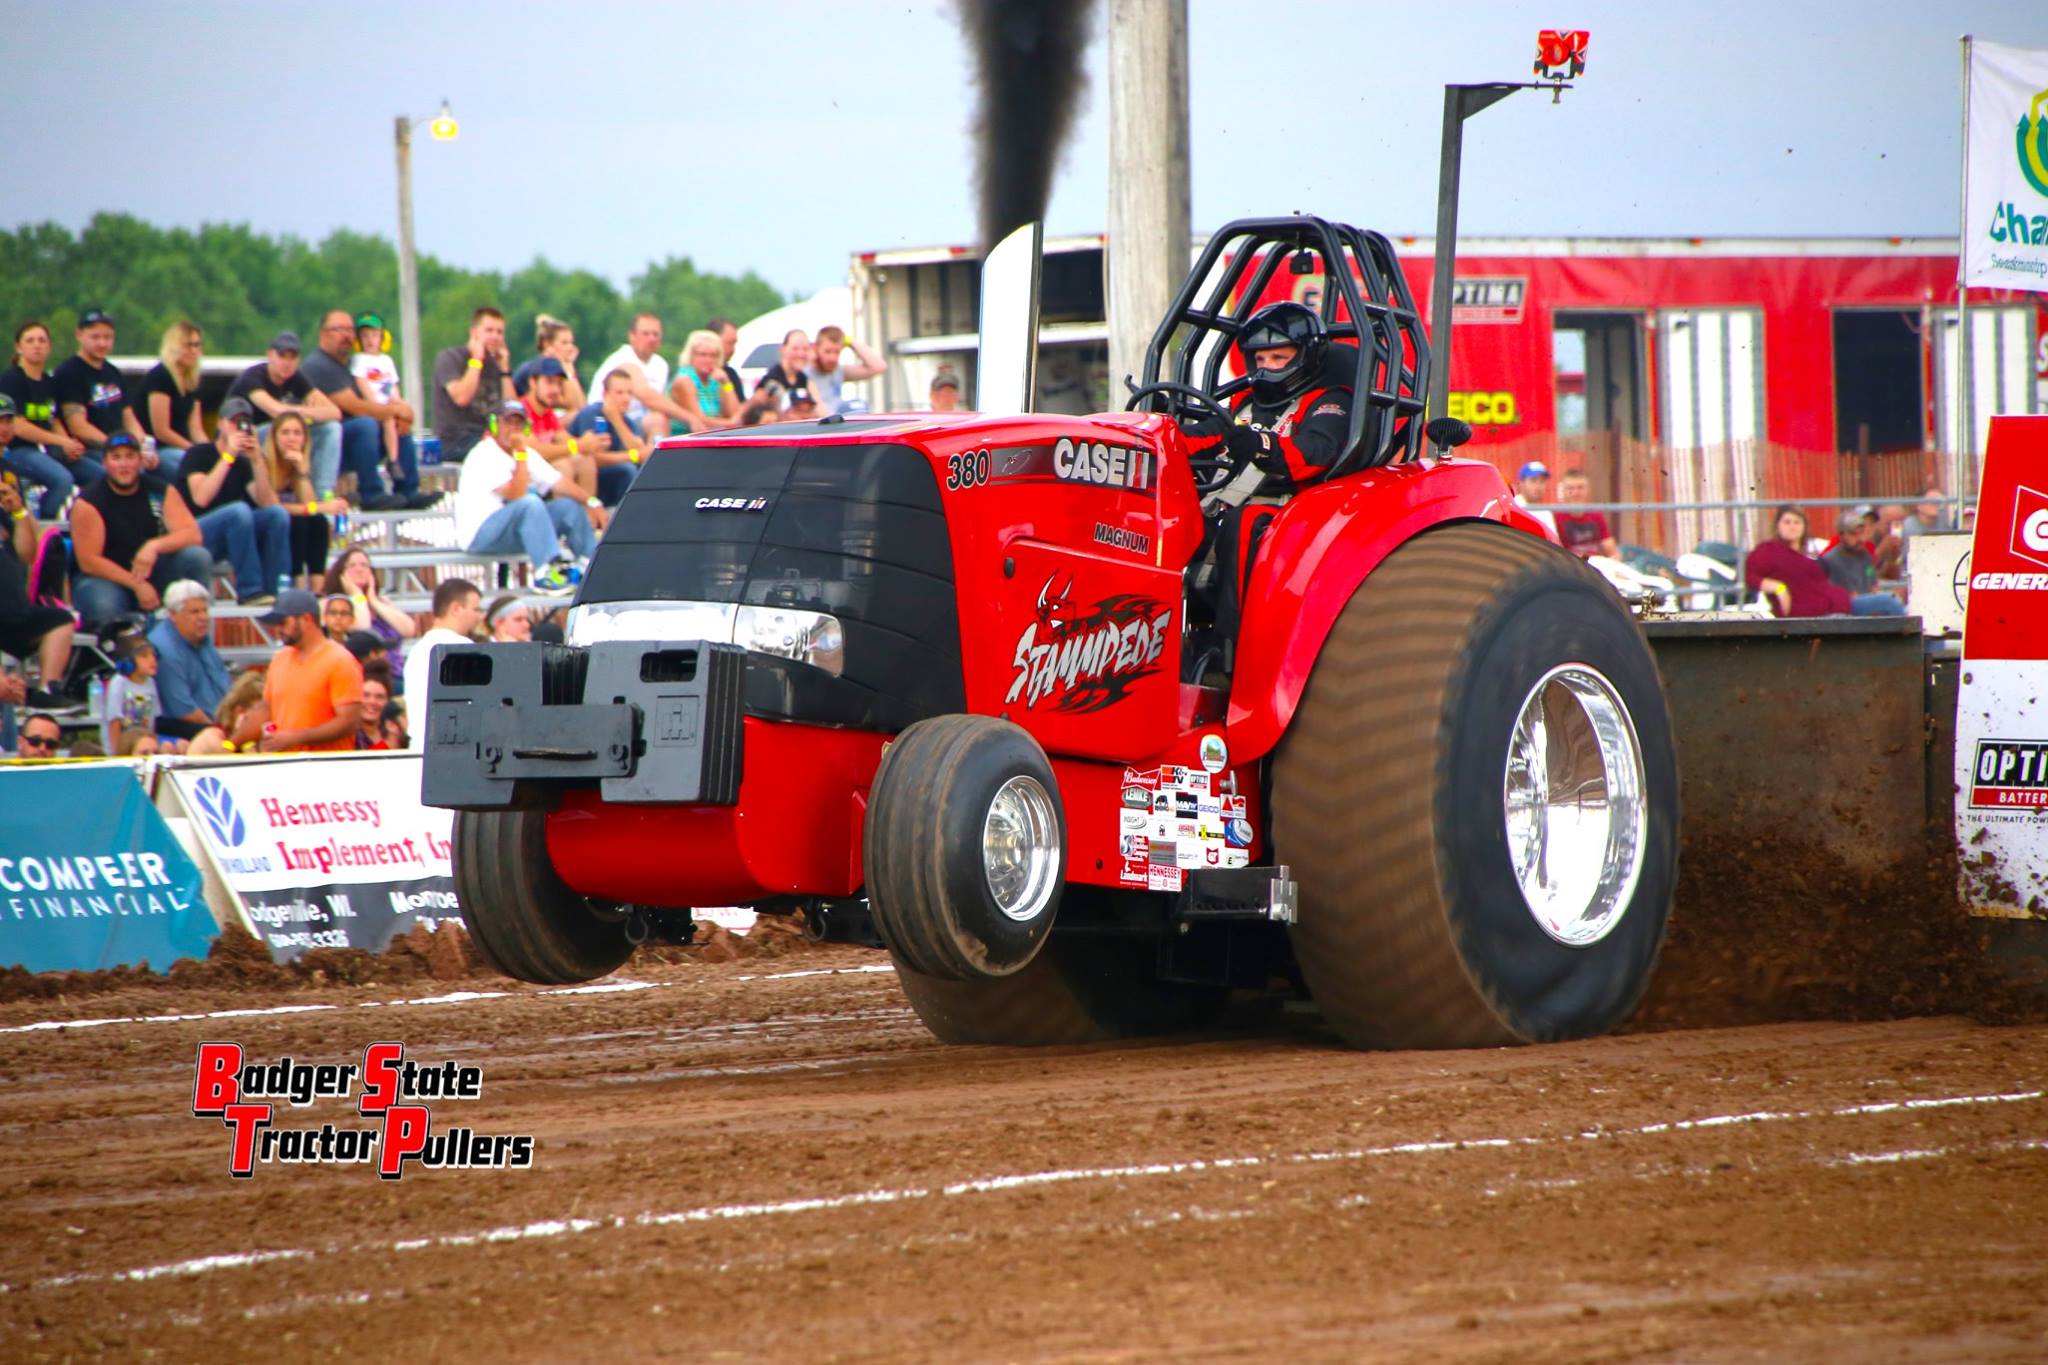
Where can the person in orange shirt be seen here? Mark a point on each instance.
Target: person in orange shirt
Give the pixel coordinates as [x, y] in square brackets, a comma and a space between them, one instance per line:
[314, 692]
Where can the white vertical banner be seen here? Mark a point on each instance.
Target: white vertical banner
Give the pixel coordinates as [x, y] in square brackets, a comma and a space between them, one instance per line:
[2005, 168]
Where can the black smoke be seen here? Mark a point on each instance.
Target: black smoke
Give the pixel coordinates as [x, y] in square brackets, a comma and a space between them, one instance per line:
[1028, 58]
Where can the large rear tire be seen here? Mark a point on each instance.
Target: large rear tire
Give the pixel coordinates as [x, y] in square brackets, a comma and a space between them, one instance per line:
[965, 848]
[1479, 798]
[1083, 988]
[522, 918]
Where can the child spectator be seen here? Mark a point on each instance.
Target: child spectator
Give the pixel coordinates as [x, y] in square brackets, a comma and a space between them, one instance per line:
[337, 617]
[354, 575]
[286, 454]
[238, 722]
[363, 420]
[170, 395]
[41, 449]
[136, 743]
[372, 368]
[131, 701]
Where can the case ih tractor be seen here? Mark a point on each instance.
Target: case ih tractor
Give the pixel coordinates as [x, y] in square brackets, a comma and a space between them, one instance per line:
[993, 689]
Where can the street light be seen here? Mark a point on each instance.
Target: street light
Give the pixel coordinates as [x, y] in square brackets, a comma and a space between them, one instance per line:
[442, 128]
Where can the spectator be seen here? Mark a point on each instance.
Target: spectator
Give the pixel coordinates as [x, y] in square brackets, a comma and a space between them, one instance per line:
[131, 701]
[707, 398]
[788, 373]
[28, 630]
[394, 727]
[1532, 485]
[1928, 515]
[313, 696]
[132, 536]
[376, 698]
[41, 450]
[507, 502]
[136, 743]
[287, 458]
[237, 722]
[276, 387]
[618, 464]
[353, 574]
[337, 617]
[455, 614]
[170, 395]
[552, 441]
[87, 746]
[1796, 584]
[1850, 567]
[371, 366]
[803, 406]
[829, 372]
[945, 391]
[191, 677]
[363, 420]
[240, 519]
[92, 395]
[368, 646]
[653, 410]
[471, 381]
[1585, 534]
[39, 737]
[1888, 540]
[728, 344]
[508, 620]
[554, 337]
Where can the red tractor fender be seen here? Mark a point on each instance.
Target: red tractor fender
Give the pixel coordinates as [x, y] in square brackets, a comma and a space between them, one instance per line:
[1313, 557]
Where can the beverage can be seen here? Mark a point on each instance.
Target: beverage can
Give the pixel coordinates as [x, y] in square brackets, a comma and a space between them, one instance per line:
[430, 449]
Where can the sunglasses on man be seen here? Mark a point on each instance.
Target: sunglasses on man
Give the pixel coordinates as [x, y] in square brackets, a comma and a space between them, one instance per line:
[38, 742]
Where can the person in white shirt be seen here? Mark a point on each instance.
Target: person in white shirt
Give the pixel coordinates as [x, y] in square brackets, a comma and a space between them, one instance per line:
[641, 358]
[511, 501]
[376, 376]
[1532, 484]
[456, 611]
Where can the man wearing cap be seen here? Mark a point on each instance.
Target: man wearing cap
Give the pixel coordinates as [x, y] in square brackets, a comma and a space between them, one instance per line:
[510, 501]
[240, 518]
[945, 391]
[313, 693]
[91, 395]
[132, 536]
[573, 456]
[1532, 485]
[1851, 568]
[362, 421]
[276, 387]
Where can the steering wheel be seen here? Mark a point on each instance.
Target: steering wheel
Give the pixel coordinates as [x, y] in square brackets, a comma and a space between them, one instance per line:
[1189, 405]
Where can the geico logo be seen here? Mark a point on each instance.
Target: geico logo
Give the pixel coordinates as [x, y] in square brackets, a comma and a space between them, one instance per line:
[1483, 409]
[2034, 530]
[2009, 582]
[1107, 465]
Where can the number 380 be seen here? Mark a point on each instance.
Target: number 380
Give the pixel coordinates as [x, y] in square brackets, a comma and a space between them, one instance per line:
[967, 469]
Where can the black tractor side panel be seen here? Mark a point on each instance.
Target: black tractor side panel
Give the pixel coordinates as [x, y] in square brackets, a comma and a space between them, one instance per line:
[856, 531]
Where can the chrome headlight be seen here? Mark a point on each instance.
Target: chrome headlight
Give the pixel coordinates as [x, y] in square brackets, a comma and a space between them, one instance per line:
[809, 637]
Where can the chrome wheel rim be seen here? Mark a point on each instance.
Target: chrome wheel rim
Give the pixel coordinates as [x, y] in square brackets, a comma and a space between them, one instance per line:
[1572, 799]
[1020, 848]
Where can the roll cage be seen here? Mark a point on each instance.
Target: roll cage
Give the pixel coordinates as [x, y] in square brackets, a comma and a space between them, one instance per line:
[1365, 303]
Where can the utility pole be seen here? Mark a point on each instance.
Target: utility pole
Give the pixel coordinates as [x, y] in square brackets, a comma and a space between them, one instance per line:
[1147, 252]
[408, 279]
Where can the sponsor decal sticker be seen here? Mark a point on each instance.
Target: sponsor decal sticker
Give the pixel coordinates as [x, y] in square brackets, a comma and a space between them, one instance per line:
[1215, 754]
[732, 504]
[2010, 774]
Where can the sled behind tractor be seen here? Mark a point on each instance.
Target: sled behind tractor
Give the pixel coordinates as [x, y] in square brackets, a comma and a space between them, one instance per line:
[1088, 721]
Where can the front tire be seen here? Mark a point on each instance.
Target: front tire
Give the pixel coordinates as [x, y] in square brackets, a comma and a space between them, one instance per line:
[522, 918]
[1479, 798]
[965, 848]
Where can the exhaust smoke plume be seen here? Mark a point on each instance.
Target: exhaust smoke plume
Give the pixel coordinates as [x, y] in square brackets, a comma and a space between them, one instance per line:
[1028, 59]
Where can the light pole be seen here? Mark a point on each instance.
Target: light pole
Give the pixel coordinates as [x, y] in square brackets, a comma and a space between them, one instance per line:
[442, 128]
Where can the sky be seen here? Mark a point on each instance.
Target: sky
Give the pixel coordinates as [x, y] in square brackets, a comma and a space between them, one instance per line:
[784, 140]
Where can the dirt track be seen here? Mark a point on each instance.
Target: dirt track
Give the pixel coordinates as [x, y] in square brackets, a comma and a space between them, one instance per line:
[740, 1162]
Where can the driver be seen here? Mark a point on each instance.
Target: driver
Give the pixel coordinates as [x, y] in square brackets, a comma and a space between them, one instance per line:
[1290, 423]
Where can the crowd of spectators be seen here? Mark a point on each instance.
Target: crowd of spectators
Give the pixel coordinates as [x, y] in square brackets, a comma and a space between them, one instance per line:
[128, 505]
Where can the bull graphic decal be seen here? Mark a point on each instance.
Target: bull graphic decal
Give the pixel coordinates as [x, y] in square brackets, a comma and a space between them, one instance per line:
[1082, 659]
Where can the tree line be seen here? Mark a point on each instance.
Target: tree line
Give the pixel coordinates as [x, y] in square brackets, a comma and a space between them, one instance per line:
[243, 287]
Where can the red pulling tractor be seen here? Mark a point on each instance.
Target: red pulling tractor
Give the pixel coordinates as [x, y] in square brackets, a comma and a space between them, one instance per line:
[1023, 699]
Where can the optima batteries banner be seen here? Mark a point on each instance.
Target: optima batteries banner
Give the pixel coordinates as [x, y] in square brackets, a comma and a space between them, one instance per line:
[325, 853]
[91, 876]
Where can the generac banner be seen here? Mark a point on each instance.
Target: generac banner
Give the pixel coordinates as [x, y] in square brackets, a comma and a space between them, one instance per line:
[324, 852]
[2002, 703]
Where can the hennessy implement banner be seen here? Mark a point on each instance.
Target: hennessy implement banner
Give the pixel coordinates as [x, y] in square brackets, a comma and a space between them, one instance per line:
[90, 875]
[2005, 168]
[325, 853]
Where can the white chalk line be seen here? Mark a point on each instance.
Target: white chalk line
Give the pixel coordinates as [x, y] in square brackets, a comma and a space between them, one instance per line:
[562, 1227]
[452, 998]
